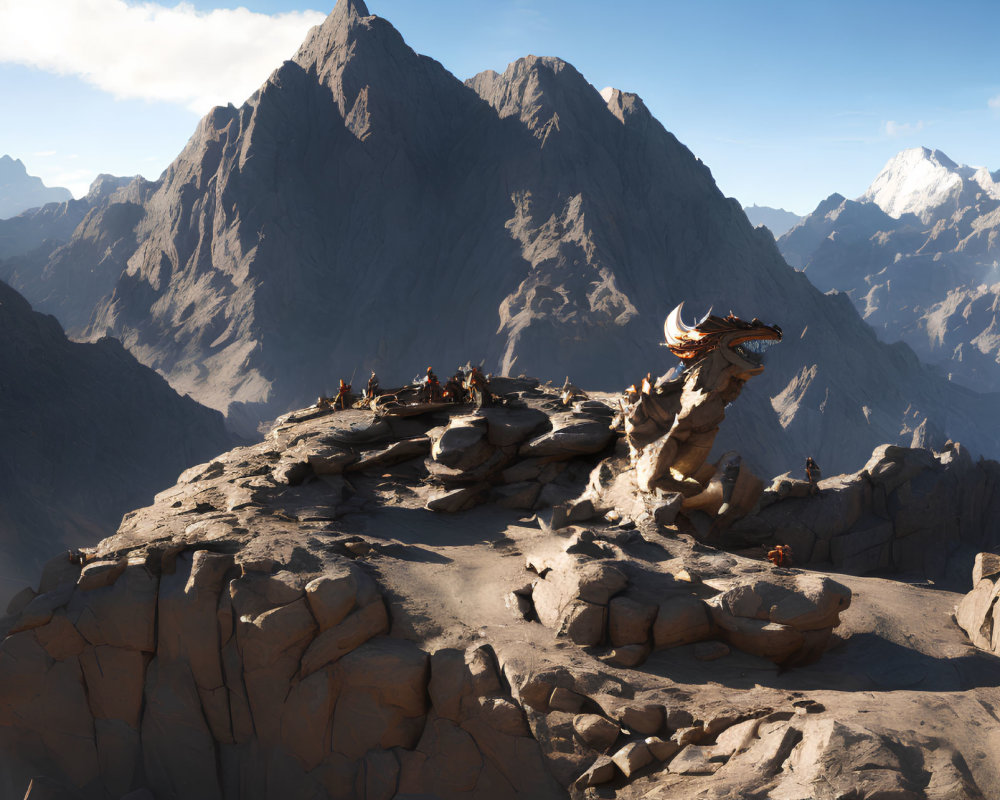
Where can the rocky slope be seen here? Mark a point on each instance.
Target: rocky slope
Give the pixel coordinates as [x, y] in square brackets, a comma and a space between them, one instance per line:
[364, 208]
[88, 433]
[20, 191]
[32, 246]
[292, 619]
[917, 254]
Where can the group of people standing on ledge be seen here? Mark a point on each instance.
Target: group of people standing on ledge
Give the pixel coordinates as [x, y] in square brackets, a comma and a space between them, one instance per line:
[462, 387]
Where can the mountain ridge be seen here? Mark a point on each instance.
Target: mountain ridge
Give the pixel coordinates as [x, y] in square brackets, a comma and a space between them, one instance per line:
[20, 191]
[365, 208]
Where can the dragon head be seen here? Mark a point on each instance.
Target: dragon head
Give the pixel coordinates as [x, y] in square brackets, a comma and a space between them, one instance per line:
[740, 342]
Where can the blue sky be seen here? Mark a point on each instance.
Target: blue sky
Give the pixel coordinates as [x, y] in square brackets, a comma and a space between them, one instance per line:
[786, 102]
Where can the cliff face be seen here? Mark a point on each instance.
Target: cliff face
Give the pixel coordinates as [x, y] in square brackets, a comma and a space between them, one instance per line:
[88, 433]
[364, 209]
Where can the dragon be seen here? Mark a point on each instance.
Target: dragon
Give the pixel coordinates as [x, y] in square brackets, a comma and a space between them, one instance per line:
[671, 424]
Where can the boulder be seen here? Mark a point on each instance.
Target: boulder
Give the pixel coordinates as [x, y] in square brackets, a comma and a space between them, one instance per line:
[632, 757]
[596, 731]
[629, 621]
[681, 620]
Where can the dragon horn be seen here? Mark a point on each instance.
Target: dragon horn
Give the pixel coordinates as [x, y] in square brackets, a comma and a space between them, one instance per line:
[674, 328]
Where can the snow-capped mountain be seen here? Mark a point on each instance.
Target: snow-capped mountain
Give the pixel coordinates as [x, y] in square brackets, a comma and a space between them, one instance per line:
[926, 182]
[919, 254]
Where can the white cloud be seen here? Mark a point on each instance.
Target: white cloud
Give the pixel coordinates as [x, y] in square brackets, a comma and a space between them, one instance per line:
[150, 51]
[894, 129]
[994, 102]
[44, 153]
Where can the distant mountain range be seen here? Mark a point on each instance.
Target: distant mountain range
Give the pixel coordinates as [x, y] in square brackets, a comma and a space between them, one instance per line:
[366, 209]
[776, 220]
[918, 255]
[20, 191]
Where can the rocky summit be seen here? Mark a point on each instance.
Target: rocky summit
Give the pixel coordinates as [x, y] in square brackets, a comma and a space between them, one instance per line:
[364, 208]
[451, 600]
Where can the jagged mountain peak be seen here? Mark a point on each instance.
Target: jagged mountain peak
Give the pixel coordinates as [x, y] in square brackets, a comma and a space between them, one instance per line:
[546, 93]
[927, 183]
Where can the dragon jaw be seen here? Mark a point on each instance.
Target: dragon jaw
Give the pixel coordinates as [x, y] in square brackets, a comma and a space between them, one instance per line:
[741, 343]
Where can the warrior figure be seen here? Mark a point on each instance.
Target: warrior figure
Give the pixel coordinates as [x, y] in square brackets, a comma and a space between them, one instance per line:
[432, 387]
[454, 389]
[813, 475]
[479, 388]
[372, 389]
[343, 395]
[780, 556]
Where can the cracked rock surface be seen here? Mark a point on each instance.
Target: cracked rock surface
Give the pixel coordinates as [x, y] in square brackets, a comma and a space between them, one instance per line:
[293, 619]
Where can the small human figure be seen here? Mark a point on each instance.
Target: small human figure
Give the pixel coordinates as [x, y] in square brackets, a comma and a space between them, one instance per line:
[813, 475]
[479, 388]
[730, 473]
[343, 395]
[432, 387]
[454, 389]
[372, 389]
[780, 555]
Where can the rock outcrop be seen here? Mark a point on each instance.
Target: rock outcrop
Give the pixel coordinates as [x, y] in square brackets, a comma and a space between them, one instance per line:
[977, 613]
[236, 273]
[291, 619]
[908, 511]
[88, 433]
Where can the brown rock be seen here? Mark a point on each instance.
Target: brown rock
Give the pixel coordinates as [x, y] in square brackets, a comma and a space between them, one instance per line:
[629, 621]
[98, 574]
[601, 771]
[681, 620]
[629, 655]
[115, 678]
[382, 697]
[986, 565]
[662, 749]
[332, 596]
[686, 736]
[646, 719]
[461, 499]
[565, 700]
[121, 614]
[694, 760]
[334, 643]
[596, 731]
[632, 757]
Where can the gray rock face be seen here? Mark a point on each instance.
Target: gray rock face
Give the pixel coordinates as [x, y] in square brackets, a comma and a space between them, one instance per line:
[20, 191]
[87, 434]
[917, 256]
[364, 208]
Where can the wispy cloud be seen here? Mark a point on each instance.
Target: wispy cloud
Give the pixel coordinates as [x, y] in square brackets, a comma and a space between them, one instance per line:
[994, 102]
[44, 153]
[895, 130]
[152, 52]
